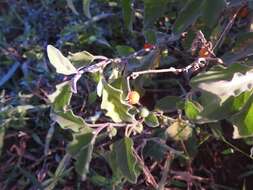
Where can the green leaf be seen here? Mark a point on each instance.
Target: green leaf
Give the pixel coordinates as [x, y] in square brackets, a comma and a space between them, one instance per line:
[86, 8]
[151, 120]
[192, 109]
[188, 15]
[243, 121]
[152, 11]
[168, 103]
[81, 148]
[211, 11]
[155, 150]
[68, 120]
[60, 112]
[127, 13]
[59, 61]
[125, 159]
[112, 101]
[124, 50]
[81, 59]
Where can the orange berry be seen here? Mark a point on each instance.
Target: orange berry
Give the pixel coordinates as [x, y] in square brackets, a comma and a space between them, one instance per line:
[244, 12]
[133, 97]
[148, 46]
[203, 52]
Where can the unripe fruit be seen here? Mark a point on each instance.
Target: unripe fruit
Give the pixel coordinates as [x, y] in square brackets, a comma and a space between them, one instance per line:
[133, 97]
[144, 112]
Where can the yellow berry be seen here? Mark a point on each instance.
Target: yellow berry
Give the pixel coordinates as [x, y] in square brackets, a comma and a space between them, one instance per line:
[133, 97]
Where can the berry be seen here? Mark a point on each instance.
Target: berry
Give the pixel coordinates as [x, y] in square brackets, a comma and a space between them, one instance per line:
[244, 12]
[144, 112]
[133, 97]
[203, 52]
[148, 46]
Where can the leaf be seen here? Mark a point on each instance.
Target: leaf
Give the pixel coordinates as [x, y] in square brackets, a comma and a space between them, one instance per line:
[243, 121]
[211, 11]
[217, 73]
[72, 6]
[188, 15]
[86, 8]
[59, 61]
[68, 120]
[60, 112]
[124, 50]
[168, 103]
[81, 148]
[151, 120]
[192, 109]
[155, 150]
[112, 102]
[125, 159]
[81, 59]
[152, 11]
[224, 89]
[127, 13]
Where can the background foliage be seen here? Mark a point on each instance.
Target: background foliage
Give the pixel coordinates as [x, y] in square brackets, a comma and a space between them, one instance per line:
[67, 120]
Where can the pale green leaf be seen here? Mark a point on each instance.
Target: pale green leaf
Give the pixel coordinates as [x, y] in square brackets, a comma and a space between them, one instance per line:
[60, 112]
[59, 61]
[68, 120]
[112, 101]
[80, 59]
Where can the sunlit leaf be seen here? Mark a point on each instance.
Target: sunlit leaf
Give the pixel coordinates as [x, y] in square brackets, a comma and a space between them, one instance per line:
[112, 101]
[80, 59]
[59, 61]
[192, 109]
[243, 121]
[60, 112]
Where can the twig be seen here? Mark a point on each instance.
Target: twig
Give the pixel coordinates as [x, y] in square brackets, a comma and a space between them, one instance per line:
[166, 169]
[227, 28]
[149, 177]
